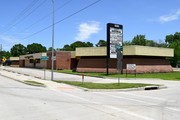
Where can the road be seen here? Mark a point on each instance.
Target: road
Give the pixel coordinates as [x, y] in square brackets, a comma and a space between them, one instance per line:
[22, 102]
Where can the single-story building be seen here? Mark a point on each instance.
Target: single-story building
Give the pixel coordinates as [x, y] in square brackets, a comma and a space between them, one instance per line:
[93, 59]
[14, 61]
[147, 59]
[33, 60]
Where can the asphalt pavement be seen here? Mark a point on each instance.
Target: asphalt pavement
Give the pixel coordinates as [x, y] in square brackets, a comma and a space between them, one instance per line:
[64, 102]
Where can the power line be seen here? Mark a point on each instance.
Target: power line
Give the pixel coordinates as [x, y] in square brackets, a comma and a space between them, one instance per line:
[64, 18]
[31, 12]
[66, 3]
[23, 18]
[23, 12]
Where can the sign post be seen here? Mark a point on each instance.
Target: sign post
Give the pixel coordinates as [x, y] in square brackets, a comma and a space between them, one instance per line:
[44, 58]
[114, 39]
[119, 60]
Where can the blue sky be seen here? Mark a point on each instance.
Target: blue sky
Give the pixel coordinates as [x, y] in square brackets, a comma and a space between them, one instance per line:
[153, 18]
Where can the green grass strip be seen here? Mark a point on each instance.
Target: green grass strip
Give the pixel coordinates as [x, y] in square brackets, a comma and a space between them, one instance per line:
[34, 83]
[91, 85]
[163, 76]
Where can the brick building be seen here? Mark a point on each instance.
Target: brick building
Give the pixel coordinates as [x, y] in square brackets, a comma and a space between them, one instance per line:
[147, 59]
[93, 59]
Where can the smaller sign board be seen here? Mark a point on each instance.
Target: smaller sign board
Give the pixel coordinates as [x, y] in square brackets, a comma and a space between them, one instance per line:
[44, 58]
[131, 66]
[54, 57]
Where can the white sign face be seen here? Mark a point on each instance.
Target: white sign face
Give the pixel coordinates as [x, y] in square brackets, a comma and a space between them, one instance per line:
[131, 66]
[54, 57]
[115, 38]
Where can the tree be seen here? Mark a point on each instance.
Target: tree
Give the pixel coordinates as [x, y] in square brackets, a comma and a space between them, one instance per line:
[173, 41]
[50, 49]
[18, 50]
[151, 43]
[76, 44]
[101, 43]
[127, 43]
[35, 48]
[139, 40]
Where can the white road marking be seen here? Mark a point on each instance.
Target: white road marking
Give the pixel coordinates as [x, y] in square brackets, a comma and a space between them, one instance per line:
[149, 103]
[131, 99]
[111, 107]
[129, 113]
[143, 96]
[174, 109]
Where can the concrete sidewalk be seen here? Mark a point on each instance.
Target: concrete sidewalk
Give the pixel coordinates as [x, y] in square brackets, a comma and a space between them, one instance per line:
[20, 77]
[24, 74]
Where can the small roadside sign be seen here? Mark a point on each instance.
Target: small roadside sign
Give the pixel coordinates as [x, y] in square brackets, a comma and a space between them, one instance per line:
[4, 59]
[131, 66]
[44, 58]
[54, 57]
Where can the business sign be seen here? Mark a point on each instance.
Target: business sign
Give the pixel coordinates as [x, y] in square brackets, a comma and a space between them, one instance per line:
[131, 66]
[114, 39]
[44, 58]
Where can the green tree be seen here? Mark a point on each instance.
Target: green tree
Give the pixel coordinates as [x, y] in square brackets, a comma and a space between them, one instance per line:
[35, 48]
[76, 44]
[139, 40]
[7, 54]
[50, 49]
[127, 43]
[173, 41]
[151, 43]
[101, 43]
[18, 50]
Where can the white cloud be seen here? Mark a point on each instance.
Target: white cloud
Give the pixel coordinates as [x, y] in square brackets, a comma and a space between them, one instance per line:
[87, 29]
[170, 17]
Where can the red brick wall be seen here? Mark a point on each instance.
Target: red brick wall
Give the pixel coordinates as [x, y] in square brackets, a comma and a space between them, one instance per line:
[144, 64]
[63, 60]
[49, 62]
[96, 64]
[21, 63]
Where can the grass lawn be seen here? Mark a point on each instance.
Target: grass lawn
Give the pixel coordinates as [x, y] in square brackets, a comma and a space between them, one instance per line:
[90, 85]
[164, 76]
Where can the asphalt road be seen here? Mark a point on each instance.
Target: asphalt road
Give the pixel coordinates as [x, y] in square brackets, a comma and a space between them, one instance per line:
[22, 102]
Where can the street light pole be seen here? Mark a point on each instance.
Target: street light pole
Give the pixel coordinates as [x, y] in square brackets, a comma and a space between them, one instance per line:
[52, 58]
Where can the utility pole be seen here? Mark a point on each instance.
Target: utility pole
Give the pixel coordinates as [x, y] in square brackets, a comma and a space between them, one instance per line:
[52, 58]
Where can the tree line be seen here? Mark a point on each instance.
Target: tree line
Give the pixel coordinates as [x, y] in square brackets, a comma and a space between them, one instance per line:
[171, 41]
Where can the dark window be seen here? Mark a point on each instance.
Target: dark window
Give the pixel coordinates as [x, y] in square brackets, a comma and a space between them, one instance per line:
[31, 61]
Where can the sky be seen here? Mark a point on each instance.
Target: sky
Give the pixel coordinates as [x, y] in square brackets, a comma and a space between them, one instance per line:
[30, 21]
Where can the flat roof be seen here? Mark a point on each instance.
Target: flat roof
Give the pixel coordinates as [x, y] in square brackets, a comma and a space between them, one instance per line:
[32, 56]
[132, 50]
[14, 58]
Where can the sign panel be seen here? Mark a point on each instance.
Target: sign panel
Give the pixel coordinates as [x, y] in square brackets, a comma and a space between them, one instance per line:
[44, 58]
[114, 39]
[131, 66]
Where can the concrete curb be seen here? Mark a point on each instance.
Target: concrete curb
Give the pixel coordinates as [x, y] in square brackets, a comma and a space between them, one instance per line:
[122, 90]
[23, 81]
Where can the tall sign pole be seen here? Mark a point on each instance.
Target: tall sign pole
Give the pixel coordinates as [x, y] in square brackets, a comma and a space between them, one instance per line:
[114, 42]
[52, 57]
